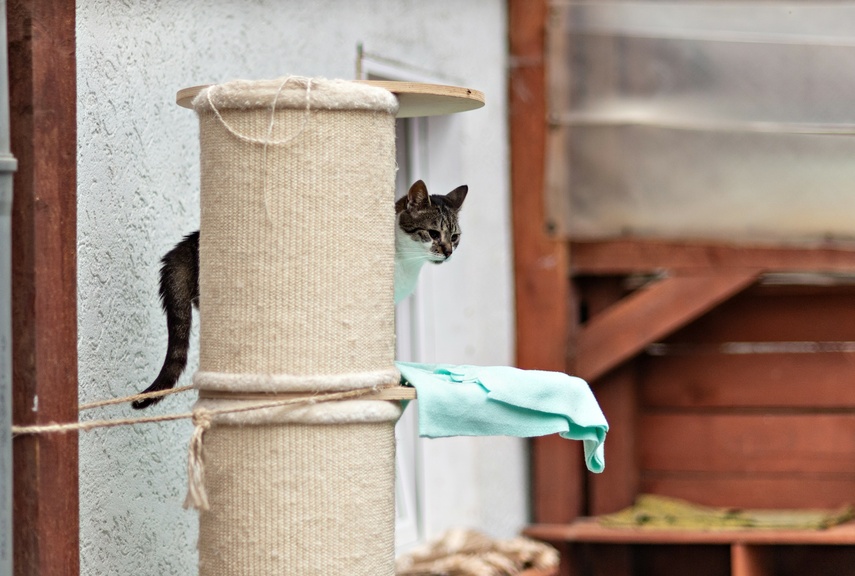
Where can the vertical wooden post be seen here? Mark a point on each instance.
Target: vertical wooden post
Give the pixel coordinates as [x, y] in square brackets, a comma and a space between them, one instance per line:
[540, 261]
[43, 104]
[747, 560]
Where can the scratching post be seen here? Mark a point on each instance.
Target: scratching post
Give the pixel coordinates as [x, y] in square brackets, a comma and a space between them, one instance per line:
[296, 297]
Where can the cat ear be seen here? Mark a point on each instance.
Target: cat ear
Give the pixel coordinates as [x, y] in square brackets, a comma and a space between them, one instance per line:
[457, 196]
[418, 196]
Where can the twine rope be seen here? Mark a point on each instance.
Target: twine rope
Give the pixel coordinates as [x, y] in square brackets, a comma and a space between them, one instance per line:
[197, 495]
[265, 142]
[87, 425]
[129, 399]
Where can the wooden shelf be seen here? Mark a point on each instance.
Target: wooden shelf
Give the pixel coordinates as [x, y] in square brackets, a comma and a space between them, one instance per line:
[751, 552]
[589, 530]
[415, 98]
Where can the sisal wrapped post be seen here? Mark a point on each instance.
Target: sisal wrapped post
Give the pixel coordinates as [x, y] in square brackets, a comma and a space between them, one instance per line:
[296, 297]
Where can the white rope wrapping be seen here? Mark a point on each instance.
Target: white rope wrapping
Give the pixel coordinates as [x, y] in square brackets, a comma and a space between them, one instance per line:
[221, 381]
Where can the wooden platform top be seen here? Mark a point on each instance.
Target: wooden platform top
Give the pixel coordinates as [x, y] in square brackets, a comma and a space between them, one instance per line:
[415, 98]
[589, 530]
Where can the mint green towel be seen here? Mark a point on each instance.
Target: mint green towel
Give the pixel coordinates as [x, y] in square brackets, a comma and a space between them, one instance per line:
[505, 401]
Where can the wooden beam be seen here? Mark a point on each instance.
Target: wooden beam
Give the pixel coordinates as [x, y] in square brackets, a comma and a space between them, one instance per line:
[620, 257]
[618, 485]
[540, 262]
[590, 530]
[541, 268]
[43, 104]
[649, 314]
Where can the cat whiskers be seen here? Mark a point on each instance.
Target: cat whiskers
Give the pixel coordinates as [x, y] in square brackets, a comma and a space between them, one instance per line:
[415, 256]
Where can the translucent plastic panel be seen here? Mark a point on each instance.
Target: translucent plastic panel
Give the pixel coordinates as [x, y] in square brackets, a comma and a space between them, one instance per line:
[731, 120]
[657, 182]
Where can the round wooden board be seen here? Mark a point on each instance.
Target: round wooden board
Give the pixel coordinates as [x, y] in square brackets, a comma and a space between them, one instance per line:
[415, 98]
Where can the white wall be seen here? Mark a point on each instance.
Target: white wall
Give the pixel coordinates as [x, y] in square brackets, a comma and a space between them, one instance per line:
[138, 194]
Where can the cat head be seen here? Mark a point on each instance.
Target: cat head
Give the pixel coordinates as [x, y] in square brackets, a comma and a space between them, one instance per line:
[430, 220]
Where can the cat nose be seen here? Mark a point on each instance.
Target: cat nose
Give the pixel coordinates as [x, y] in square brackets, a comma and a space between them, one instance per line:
[447, 250]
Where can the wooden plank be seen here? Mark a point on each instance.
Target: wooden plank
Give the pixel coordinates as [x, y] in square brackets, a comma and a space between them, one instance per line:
[43, 106]
[557, 472]
[589, 530]
[617, 486]
[815, 444]
[713, 380]
[541, 269]
[816, 560]
[748, 560]
[619, 257]
[540, 263]
[772, 316]
[650, 314]
[610, 560]
[668, 559]
[754, 491]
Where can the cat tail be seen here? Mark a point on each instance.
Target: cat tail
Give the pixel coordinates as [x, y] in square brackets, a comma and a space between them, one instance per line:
[179, 292]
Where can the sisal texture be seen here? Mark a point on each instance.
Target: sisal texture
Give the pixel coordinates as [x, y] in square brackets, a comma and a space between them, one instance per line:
[297, 219]
[329, 510]
[296, 264]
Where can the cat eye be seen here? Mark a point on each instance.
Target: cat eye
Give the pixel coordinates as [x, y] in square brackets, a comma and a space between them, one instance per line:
[434, 234]
[455, 237]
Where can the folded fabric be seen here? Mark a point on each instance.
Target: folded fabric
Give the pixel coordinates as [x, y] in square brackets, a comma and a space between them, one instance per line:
[652, 511]
[505, 401]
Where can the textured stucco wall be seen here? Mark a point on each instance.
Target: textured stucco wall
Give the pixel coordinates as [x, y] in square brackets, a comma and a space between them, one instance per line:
[138, 194]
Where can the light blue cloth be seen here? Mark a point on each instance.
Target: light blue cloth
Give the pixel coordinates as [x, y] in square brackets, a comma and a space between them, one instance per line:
[505, 401]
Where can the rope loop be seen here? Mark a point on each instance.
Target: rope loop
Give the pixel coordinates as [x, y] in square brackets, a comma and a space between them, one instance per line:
[267, 141]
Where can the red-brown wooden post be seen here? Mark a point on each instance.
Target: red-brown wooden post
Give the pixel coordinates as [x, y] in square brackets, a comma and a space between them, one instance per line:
[43, 103]
[540, 261]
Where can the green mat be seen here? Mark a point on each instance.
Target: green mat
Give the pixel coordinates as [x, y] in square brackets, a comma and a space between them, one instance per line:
[651, 511]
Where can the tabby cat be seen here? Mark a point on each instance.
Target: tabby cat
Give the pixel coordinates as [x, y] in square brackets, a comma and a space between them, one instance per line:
[426, 230]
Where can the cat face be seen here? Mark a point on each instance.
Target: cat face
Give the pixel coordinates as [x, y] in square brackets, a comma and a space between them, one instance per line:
[430, 221]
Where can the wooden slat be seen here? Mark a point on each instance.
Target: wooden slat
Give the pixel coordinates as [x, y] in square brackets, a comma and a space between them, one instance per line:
[651, 314]
[668, 559]
[764, 316]
[816, 444]
[589, 530]
[712, 380]
[557, 472]
[819, 560]
[610, 560]
[754, 491]
[43, 106]
[638, 256]
[617, 486]
[541, 269]
[748, 560]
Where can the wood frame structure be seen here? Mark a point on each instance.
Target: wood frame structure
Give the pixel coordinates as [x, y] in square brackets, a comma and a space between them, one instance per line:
[43, 106]
[591, 308]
